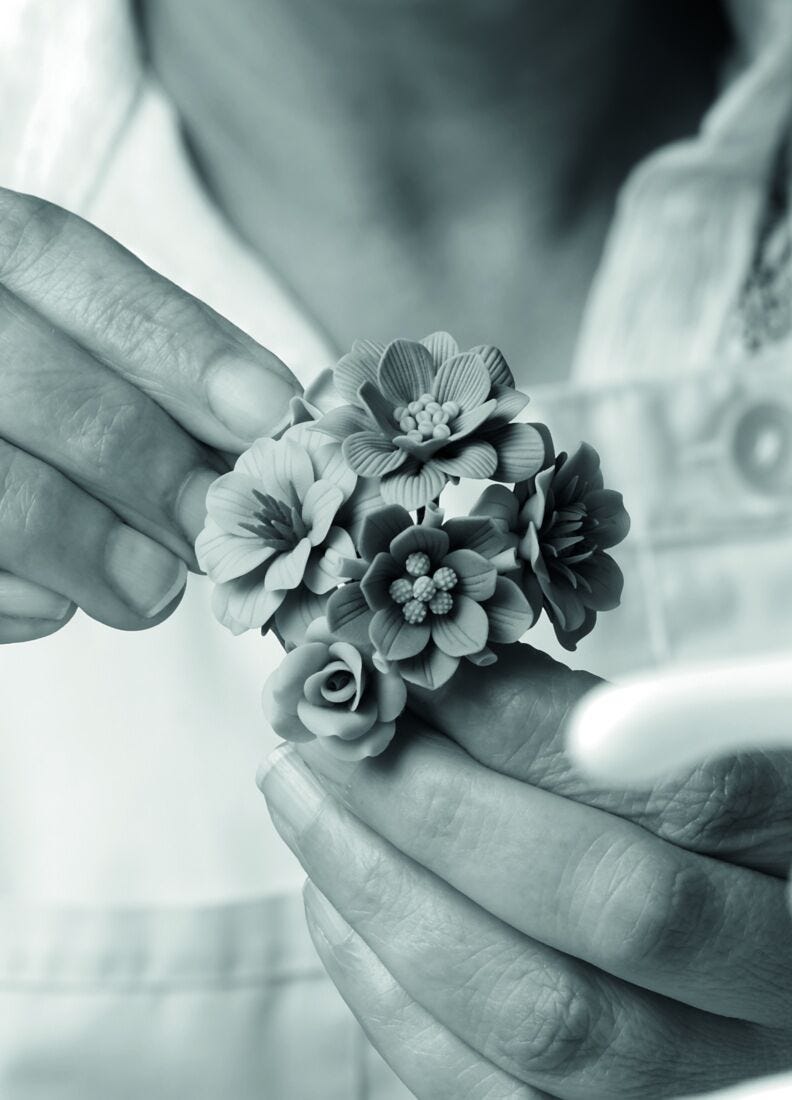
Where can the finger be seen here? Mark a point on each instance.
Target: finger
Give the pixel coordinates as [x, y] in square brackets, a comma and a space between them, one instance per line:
[59, 538]
[575, 878]
[540, 1017]
[736, 808]
[210, 376]
[431, 1061]
[544, 1018]
[652, 725]
[58, 403]
[28, 611]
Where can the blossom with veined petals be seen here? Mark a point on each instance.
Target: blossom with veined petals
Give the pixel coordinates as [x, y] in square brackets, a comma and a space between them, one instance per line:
[560, 524]
[270, 529]
[427, 594]
[420, 413]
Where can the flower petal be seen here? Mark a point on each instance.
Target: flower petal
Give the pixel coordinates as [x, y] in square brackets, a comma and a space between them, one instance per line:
[319, 507]
[430, 669]
[379, 408]
[431, 540]
[394, 637]
[281, 466]
[330, 721]
[463, 630]
[286, 682]
[508, 404]
[391, 694]
[477, 576]
[483, 658]
[497, 367]
[463, 379]
[283, 722]
[356, 367]
[231, 504]
[500, 504]
[521, 449]
[371, 744]
[605, 581]
[286, 570]
[414, 485]
[382, 572]
[380, 527]
[348, 615]
[225, 556]
[474, 459]
[330, 465]
[322, 570]
[441, 346]
[606, 506]
[478, 533]
[570, 638]
[364, 500]
[422, 451]
[509, 612]
[321, 393]
[297, 614]
[245, 602]
[371, 455]
[406, 371]
[471, 420]
[341, 422]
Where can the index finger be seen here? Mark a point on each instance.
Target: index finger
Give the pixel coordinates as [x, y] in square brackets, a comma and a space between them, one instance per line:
[512, 716]
[212, 378]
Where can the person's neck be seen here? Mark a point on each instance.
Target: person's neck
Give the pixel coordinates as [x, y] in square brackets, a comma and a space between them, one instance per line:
[407, 165]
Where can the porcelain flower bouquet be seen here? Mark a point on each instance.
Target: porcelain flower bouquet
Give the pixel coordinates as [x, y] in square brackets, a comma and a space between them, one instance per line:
[332, 535]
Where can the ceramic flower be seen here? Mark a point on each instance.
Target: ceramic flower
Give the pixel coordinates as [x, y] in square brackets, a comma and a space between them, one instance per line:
[560, 523]
[428, 594]
[271, 530]
[331, 690]
[421, 413]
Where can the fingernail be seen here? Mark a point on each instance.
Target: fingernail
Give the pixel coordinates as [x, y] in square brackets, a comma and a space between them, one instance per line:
[145, 575]
[290, 788]
[191, 502]
[21, 599]
[325, 916]
[247, 397]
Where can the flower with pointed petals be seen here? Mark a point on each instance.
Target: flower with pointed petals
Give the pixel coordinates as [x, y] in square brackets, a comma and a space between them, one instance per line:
[422, 413]
[560, 523]
[271, 531]
[331, 690]
[426, 595]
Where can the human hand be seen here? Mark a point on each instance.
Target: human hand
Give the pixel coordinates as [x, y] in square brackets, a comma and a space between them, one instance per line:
[118, 393]
[503, 928]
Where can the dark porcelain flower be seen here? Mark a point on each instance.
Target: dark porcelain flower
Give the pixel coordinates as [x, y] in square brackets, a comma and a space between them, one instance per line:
[271, 528]
[331, 690]
[560, 523]
[426, 595]
[422, 413]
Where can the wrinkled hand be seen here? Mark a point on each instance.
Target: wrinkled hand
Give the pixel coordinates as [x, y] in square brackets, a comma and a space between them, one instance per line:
[504, 929]
[118, 391]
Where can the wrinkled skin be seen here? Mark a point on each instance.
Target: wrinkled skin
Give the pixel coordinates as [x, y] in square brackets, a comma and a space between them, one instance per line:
[504, 929]
[120, 397]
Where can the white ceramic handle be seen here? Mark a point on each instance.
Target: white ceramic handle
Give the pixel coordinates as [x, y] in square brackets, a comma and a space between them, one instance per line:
[650, 726]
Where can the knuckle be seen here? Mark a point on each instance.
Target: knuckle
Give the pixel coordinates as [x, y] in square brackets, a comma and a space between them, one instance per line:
[659, 912]
[724, 803]
[442, 805]
[549, 1032]
[28, 499]
[106, 434]
[28, 227]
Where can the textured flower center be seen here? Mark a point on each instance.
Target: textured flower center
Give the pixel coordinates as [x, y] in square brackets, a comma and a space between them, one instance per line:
[426, 418]
[420, 594]
[277, 524]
